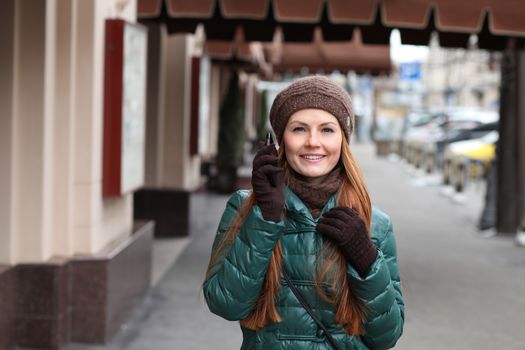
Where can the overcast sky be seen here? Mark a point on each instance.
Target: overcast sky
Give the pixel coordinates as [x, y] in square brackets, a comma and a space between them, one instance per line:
[406, 53]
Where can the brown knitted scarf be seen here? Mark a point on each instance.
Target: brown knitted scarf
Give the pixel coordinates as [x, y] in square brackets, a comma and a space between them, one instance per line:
[315, 195]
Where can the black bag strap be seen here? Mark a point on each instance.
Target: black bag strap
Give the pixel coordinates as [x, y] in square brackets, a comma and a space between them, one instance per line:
[308, 309]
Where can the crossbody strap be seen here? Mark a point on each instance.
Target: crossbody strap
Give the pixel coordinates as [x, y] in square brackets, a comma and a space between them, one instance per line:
[308, 309]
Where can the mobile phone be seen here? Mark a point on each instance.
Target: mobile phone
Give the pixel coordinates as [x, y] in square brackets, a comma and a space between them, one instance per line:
[269, 138]
[269, 141]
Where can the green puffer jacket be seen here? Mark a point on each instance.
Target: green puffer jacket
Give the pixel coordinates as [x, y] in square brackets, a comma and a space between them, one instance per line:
[235, 280]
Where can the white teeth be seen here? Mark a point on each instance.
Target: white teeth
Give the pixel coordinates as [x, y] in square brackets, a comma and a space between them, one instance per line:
[313, 157]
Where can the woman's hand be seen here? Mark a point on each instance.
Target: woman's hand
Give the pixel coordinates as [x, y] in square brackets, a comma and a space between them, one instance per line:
[345, 227]
[268, 183]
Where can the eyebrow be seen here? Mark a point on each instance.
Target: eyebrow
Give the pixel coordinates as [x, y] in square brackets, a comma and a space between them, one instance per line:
[306, 124]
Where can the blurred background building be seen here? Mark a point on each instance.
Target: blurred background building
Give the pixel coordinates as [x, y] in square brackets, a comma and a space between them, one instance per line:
[462, 76]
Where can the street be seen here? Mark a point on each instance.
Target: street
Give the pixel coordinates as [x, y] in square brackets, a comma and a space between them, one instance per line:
[462, 291]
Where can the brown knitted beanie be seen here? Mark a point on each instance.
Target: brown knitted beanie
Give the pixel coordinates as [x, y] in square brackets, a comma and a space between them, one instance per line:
[312, 92]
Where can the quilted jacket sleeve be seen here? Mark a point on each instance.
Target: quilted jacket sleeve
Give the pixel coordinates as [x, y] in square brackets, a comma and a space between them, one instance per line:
[380, 292]
[234, 281]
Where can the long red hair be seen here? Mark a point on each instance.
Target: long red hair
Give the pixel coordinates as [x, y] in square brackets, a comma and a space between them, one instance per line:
[333, 271]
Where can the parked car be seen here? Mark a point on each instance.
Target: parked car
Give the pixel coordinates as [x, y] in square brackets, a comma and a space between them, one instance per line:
[467, 159]
[424, 142]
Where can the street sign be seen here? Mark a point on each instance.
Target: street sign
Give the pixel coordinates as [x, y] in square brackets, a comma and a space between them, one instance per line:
[410, 71]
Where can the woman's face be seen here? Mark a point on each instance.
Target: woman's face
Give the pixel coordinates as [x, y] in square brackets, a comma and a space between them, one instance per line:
[312, 142]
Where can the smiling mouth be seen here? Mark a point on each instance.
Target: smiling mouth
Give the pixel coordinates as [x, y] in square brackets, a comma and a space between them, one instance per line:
[312, 157]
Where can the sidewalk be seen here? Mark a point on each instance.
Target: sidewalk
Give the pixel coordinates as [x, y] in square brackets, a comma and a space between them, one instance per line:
[461, 291]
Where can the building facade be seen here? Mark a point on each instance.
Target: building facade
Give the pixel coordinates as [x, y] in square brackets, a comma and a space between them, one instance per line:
[74, 262]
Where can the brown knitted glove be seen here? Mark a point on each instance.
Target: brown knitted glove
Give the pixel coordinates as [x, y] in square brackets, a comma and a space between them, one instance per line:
[268, 183]
[345, 227]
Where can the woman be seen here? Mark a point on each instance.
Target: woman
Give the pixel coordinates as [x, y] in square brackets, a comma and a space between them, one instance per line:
[309, 214]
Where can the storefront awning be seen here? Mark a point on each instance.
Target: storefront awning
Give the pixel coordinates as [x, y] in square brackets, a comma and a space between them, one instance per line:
[315, 56]
[321, 55]
[495, 21]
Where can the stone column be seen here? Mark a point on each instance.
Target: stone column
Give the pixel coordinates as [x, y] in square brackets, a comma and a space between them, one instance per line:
[520, 149]
[34, 113]
[63, 140]
[510, 154]
[7, 122]
[173, 173]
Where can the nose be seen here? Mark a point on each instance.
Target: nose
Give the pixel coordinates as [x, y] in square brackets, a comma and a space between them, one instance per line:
[313, 139]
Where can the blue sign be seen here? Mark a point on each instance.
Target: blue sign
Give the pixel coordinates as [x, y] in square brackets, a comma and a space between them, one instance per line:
[410, 71]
